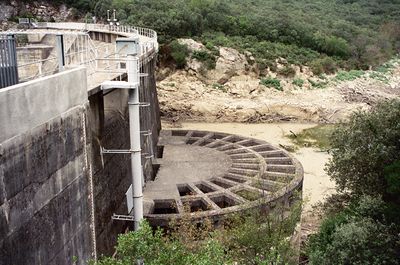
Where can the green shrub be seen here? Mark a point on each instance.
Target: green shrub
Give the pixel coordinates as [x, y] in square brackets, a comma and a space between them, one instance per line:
[251, 237]
[392, 177]
[205, 57]
[317, 85]
[298, 82]
[364, 147]
[287, 71]
[179, 53]
[349, 76]
[360, 234]
[379, 76]
[323, 65]
[356, 242]
[154, 249]
[272, 82]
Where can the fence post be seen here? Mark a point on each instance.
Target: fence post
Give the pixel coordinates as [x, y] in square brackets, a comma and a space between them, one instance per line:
[60, 52]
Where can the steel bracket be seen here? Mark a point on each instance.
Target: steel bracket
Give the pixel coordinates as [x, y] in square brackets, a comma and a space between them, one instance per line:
[119, 217]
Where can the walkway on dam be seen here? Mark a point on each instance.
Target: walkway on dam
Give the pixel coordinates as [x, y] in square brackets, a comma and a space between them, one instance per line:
[100, 57]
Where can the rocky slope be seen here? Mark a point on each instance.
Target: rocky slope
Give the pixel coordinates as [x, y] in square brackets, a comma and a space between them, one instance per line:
[40, 10]
[232, 92]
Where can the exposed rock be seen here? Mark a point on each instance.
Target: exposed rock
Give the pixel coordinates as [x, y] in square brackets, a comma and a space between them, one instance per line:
[232, 92]
[194, 64]
[162, 73]
[192, 44]
[41, 10]
[6, 11]
[229, 63]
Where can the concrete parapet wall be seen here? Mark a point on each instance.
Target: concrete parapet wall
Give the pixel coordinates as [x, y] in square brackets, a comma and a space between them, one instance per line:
[27, 105]
[44, 171]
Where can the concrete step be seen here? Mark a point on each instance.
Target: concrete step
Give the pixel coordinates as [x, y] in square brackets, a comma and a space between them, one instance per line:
[279, 161]
[278, 176]
[282, 168]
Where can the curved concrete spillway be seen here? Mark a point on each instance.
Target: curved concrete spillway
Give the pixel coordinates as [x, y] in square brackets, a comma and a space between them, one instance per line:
[208, 174]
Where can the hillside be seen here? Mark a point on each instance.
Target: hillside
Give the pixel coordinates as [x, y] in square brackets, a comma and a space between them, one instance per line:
[323, 34]
[235, 89]
[353, 33]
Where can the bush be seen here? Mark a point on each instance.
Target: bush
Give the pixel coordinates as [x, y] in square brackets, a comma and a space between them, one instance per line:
[364, 147]
[205, 57]
[349, 76]
[179, 53]
[298, 82]
[323, 65]
[252, 237]
[287, 71]
[272, 82]
[317, 84]
[154, 249]
[356, 242]
[357, 235]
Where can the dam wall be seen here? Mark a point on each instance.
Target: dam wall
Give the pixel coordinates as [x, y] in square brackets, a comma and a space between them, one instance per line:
[109, 128]
[44, 171]
[58, 193]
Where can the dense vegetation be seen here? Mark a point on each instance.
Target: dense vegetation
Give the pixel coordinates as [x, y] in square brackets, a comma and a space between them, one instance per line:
[255, 238]
[363, 220]
[324, 34]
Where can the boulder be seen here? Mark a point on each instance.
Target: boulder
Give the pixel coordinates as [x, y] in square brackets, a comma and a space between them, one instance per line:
[192, 44]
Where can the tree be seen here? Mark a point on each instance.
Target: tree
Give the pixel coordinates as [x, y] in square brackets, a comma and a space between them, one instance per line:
[363, 148]
[360, 234]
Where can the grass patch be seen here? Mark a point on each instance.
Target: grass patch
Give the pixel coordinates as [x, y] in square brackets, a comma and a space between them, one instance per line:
[206, 58]
[220, 87]
[272, 82]
[318, 136]
[298, 82]
[317, 84]
[249, 195]
[379, 76]
[349, 76]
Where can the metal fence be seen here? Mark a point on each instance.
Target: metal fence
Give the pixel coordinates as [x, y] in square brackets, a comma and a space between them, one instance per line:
[40, 53]
[8, 61]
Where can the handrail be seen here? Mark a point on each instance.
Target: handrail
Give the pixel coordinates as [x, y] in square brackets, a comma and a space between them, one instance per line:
[85, 52]
[128, 30]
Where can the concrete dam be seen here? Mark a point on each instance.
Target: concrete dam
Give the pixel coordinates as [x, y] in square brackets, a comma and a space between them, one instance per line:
[83, 155]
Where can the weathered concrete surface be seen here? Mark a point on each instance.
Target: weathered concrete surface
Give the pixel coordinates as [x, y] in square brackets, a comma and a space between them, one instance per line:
[27, 105]
[209, 175]
[183, 164]
[61, 199]
[44, 206]
[109, 128]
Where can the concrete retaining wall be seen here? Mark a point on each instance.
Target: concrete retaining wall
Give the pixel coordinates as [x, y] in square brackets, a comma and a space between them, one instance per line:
[44, 205]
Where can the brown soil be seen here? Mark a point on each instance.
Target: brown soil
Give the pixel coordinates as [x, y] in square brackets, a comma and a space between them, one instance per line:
[186, 96]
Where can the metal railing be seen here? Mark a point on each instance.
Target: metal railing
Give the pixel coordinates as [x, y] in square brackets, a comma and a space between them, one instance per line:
[8, 61]
[79, 49]
[128, 31]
